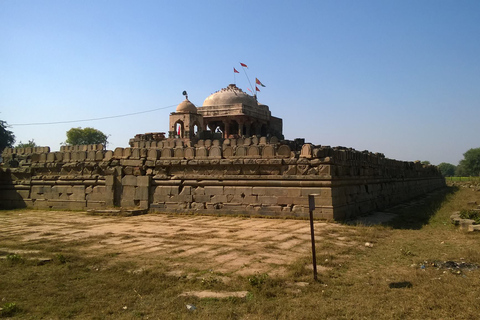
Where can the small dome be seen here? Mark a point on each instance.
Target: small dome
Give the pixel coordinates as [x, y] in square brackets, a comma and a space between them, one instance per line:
[186, 106]
[230, 95]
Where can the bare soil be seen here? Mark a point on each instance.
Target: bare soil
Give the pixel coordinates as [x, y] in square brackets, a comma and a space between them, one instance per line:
[183, 242]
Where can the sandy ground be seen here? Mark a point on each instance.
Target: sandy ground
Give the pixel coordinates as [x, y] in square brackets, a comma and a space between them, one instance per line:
[219, 244]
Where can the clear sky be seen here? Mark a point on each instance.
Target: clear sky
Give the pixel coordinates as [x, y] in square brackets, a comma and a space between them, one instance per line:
[397, 77]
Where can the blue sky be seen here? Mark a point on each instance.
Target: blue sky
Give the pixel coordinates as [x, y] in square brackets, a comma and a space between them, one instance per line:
[397, 77]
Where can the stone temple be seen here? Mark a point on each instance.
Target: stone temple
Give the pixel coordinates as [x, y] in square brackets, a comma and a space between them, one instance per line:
[226, 114]
[227, 156]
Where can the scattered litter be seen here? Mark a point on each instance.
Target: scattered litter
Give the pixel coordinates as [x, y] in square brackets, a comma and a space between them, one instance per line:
[125, 308]
[368, 245]
[454, 267]
[191, 307]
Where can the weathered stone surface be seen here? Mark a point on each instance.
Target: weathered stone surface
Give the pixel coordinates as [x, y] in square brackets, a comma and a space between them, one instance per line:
[268, 152]
[178, 153]
[255, 178]
[228, 152]
[213, 190]
[189, 153]
[306, 151]
[130, 162]
[215, 152]
[135, 153]
[166, 153]
[153, 154]
[129, 180]
[118, 153]
[253, 151]
[201, 153]
[240, 151]
[179, 144]
[284, 151]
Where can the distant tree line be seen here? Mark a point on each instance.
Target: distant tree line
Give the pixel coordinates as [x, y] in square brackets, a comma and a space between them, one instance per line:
[469, 166]
[79, 136]
[75, 136]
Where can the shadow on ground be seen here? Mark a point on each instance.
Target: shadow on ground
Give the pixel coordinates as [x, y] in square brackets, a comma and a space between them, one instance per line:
[409, 215]
[417, 213]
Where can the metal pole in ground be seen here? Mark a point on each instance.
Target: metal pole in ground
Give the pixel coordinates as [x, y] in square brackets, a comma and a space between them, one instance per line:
[311, 206]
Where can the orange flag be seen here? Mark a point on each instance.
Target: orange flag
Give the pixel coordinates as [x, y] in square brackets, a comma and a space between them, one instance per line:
[258, 82]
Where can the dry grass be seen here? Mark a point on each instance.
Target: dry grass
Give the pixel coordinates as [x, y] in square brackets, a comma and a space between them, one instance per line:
[385, 281]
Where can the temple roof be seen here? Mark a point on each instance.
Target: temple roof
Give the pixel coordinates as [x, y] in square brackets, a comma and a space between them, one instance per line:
[186, 106]
[229, 96]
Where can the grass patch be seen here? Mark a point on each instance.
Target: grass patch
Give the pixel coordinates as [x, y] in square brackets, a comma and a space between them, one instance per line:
[470, 214]
[8, 309]
[463, 179]
[385, 281]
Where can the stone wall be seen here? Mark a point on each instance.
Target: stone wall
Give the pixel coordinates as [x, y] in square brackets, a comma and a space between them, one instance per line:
[240, 176]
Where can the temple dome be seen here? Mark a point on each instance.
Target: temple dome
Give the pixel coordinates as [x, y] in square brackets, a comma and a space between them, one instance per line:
[186, 106]
[228, 96]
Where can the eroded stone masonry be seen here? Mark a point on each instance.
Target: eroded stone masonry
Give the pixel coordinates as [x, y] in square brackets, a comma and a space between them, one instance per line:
[215, 159]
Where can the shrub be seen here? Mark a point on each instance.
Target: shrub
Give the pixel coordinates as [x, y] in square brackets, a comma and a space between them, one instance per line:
[470, 214]
[8, 309]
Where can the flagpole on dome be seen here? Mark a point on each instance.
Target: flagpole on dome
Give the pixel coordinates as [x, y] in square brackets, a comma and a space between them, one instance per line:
[234, 78]
[243, 67]
[258, 82]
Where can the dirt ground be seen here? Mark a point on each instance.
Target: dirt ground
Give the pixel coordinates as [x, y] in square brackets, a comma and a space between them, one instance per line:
[182, 242]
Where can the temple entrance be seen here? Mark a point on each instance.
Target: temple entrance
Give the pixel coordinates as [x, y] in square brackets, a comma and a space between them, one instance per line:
[179, 129]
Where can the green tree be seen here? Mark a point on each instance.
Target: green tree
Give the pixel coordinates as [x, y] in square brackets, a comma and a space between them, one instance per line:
[426, 162]
[29, 144]
[471, 162]
[79, 136]
[447, 169]
[460, 170]
[7, 138]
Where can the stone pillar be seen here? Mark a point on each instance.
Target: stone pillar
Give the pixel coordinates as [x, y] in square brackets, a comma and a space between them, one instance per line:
[258, 129]
[110, 191]
[240, 127]
[247, 128]
[226, 130]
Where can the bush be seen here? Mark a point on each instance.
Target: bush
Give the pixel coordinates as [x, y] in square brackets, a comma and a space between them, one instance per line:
[470, 214]
[8, 309]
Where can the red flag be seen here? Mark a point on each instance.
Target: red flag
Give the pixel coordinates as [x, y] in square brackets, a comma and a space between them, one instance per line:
[179, 126]
[258, 82]
[235, 70]
[256, 88]
[243, 65]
